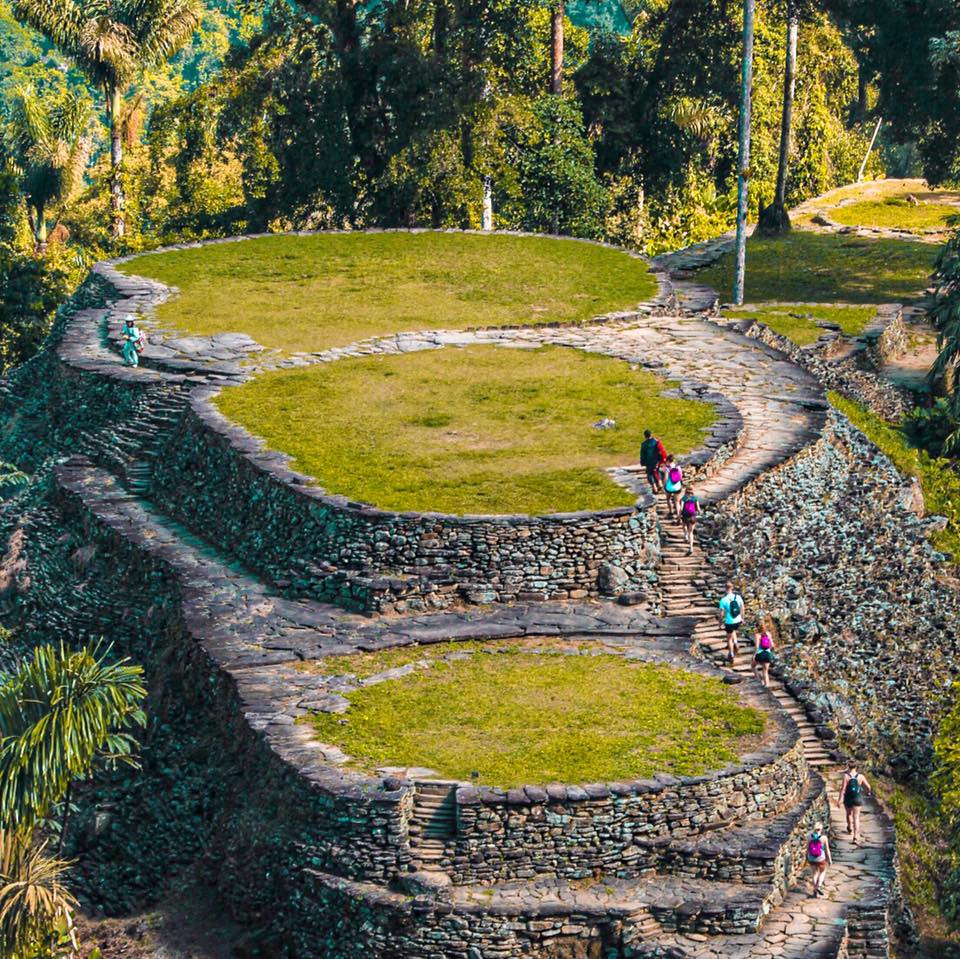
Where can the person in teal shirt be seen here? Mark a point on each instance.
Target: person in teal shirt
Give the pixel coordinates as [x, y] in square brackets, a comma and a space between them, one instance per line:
[131, 342]
[731, 617]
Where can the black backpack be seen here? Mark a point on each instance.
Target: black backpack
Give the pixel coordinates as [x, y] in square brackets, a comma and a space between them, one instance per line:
[736, 607]
[853, 787]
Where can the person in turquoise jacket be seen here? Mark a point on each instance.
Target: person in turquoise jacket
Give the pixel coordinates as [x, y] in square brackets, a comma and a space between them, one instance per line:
[132, 342]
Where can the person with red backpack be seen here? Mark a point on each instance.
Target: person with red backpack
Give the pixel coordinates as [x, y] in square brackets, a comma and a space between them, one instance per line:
[818, 856]
[652, 458]
[689, 514]
[763, 657]
[673, 487]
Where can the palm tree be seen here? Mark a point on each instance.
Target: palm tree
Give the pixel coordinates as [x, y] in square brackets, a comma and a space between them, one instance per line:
[61, 713]
[112, 41]
[47, 140]
[35, 906]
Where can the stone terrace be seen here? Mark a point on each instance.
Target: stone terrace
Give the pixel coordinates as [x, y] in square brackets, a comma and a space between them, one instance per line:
[354, 888]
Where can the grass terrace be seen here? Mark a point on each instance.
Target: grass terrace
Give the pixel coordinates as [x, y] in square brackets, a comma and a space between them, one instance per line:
[832, 268]
[518, 717]
[483, 429]
[798, 321]
[308, 293]
[893, 204]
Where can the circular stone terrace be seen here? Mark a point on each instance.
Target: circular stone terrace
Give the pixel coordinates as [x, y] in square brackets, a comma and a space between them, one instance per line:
[215, 474]
[700, 860]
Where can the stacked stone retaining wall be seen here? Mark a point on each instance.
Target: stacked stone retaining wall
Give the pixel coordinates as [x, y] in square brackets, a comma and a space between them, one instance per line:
[830, 548]
[574, 831]
[218, 479]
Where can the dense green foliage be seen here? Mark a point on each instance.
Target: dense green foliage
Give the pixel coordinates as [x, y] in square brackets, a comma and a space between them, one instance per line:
[945, 313]
[911, 50]
[311, 293]
[519, 717]
[476, 430]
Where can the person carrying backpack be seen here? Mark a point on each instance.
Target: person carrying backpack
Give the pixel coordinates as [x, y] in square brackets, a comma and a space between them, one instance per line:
[673, 487]
[731, 617]
[689, 514]
[763, 657]
[818, 855]
[652, 457]
[851, 795]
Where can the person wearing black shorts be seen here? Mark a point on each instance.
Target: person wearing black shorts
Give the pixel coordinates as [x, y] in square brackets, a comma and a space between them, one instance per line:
[731, 618]
[851, 795]
[763, 657]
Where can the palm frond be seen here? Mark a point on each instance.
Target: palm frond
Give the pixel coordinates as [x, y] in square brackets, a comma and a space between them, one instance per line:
[167, 26]
[59, 20]
[59, 713]
[33, 899]
[112, 46]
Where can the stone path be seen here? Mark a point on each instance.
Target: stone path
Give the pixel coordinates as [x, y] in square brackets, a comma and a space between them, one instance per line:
[770, 409]
[802, 926]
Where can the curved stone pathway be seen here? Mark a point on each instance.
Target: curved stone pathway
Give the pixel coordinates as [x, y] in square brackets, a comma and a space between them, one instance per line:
[861, 875]
[778, 409]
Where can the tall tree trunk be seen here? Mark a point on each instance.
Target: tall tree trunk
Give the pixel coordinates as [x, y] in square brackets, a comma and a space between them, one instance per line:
[775, 218]
[118, 225]
[487, 215]
[743, 178]
[556, 48]
[786, 120]
[862, 105]
[41, 232]
[64, 821]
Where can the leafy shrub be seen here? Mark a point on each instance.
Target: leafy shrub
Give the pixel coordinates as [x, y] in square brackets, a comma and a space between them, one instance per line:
[935, 429]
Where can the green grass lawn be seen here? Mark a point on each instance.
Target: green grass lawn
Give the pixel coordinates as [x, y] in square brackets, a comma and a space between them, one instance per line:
[797, 321]
[479, 430]
[526, 718]
[894, 213]
[310, 293]
[940, 483]
[814, 267]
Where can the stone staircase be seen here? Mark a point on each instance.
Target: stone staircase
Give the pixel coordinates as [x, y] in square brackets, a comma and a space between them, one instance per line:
[433, 822]
[857, 900]
[730, 891]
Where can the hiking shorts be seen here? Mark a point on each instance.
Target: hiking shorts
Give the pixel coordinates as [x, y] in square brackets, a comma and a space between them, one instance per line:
[732, 627]
[816, 860]
[764, 656]
[851, 802]
[653, 474]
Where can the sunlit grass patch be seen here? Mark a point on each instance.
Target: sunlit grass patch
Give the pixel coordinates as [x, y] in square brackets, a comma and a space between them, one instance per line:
[479, 430]
[895, 213]
[306, 293]
[536, 718]
[814, 267]
[798, 321]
